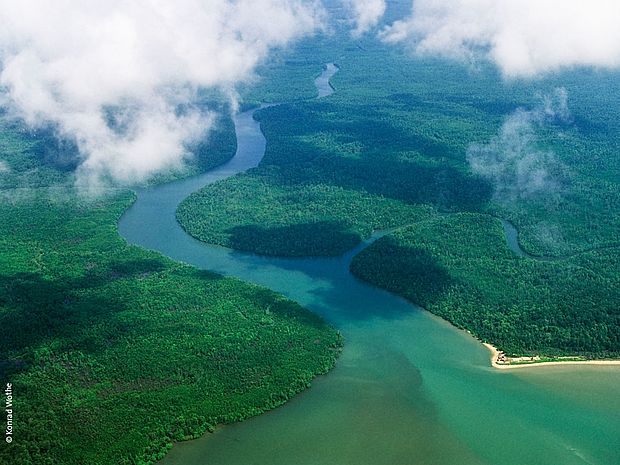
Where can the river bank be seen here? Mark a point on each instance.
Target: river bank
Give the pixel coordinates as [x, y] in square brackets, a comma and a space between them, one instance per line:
[501, 362]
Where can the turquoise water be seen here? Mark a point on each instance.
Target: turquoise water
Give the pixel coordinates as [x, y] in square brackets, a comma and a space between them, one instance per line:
[408, 389]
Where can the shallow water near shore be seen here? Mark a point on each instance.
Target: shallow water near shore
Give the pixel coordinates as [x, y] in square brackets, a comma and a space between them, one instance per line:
[408, 389]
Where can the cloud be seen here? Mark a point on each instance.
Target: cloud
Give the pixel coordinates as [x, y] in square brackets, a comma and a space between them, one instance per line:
[511, 160]
[365, 14]
[524, 38]
[118, 77]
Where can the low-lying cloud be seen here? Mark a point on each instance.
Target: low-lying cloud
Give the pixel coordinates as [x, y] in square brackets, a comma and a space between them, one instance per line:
[512, 162]
[118, 77]
[365, 14]
[524, 38]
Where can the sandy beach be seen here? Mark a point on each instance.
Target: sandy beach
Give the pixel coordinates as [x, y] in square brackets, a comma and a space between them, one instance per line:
[496, 354]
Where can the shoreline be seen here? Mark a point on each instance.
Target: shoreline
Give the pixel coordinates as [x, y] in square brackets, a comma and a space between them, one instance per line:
[495, 363]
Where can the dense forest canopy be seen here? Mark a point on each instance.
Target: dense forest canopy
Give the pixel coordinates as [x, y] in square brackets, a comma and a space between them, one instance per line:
[405, 141]
[93, 330]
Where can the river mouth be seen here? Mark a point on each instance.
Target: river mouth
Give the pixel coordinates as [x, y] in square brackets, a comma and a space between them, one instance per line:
[408, 389]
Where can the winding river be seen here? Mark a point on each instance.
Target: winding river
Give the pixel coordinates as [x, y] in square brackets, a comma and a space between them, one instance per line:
[408, 389]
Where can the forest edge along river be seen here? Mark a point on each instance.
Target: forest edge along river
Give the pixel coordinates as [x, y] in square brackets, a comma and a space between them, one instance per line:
[409, 388]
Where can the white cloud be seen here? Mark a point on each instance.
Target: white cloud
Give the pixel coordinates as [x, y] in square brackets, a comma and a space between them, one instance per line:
[512, 162]
[524, 38]
[365, 14]
[68, 62]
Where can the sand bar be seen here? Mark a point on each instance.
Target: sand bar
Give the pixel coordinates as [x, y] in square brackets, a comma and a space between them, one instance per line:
[496, 354]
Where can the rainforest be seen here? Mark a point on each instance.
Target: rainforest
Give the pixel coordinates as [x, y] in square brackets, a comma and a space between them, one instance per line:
[383, 154]
[285, 242]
